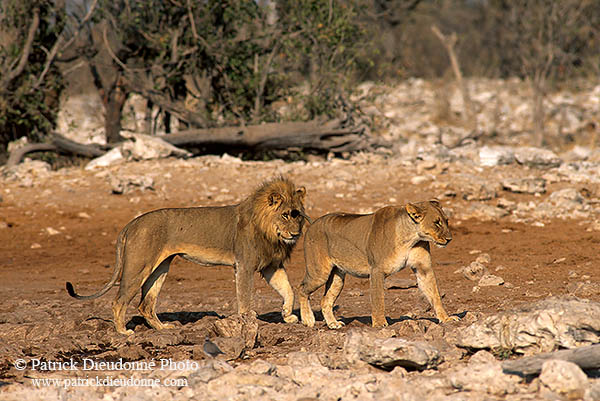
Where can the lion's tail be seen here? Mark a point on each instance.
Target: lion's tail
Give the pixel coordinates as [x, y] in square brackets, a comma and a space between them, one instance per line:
[115, 276]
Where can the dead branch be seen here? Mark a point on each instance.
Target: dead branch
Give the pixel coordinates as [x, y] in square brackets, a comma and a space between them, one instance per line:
[59, 46]
[585, 357]
[4, 82]
[448, 42]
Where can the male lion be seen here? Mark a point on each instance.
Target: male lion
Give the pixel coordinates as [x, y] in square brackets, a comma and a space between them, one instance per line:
[372, 245]
[257, 234]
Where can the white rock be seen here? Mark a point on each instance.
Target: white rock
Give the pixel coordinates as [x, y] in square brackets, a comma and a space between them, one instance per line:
[489, 280]
[484, 377]
[146, 147]
[565, 378]
[496, 155]
[525, 185]
[536, 157]
[110, 158]
[475, 271]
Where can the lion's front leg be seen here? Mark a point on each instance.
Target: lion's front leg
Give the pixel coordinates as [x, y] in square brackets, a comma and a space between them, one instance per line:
[277, 278]
[420, 262]
[244, 285]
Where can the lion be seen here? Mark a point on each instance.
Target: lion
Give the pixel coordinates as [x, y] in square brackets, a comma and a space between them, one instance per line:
[257, 234]
[375, 246]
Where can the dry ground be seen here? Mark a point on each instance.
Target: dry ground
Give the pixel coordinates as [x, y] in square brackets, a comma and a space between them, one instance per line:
[534, 261]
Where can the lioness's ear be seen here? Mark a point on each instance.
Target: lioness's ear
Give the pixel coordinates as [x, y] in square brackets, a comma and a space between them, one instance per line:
[435, 202]
[414, 212]
[301, 193]
[275, 199]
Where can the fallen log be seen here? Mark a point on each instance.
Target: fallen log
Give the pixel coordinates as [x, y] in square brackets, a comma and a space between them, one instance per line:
[58, 143]
[587, 357]
[306, 135]
[313, 135]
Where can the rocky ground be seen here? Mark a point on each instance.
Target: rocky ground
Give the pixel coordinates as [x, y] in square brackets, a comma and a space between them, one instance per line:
[521, 272]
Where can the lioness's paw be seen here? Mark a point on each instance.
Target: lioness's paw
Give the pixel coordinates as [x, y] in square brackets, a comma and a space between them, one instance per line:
[380, 325]
[290, 319]
[335, 325]
[126, 332]
[169, 325]
[449, 319]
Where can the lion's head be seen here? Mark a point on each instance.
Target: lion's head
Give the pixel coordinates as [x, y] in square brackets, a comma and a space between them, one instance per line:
[431, 220]
[278, 211]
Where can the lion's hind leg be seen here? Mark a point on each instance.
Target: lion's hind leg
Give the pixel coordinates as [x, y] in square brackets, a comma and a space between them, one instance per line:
[150, 290]
[131, 281]
[333, 288]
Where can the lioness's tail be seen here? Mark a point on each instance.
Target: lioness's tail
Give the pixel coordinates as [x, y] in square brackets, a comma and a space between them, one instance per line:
[310, 221]
[115, 276]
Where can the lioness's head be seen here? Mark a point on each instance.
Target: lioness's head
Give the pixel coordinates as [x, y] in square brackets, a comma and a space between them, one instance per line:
[279, 210]
[431, 221]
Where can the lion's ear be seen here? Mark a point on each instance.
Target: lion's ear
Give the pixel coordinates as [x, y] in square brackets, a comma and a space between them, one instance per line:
[275, 199]
[301, 193]
[435, 202]
[414, 212]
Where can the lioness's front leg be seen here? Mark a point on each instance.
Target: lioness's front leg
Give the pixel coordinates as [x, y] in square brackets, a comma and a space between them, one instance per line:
[377, 298]
[278, 279]
[419, 260]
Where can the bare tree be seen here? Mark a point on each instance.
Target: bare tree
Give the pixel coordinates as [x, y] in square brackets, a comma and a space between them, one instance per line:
[449, 41]
[33, 35]
[540, 34]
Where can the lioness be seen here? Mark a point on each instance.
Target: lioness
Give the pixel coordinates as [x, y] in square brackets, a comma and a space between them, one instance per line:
[375, 246]
[256, 235]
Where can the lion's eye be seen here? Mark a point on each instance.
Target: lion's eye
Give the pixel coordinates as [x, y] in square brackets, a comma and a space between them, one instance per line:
[285, 215]
[295, 213]
[438, 223]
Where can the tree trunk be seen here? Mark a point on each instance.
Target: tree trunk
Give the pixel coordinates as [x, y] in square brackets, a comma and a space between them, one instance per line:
[112, 121]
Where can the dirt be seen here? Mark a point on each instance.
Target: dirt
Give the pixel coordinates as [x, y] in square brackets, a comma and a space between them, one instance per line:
[64, 226]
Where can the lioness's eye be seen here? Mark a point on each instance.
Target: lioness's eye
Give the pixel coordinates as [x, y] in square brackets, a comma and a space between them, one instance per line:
[285, 215]
[295, 213]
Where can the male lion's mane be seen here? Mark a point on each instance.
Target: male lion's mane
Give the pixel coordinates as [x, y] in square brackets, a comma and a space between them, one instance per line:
[257, 209]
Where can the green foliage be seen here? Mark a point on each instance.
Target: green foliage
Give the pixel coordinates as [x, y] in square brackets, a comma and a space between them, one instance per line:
[26, 109]
[502, 353]
[245, 55]
[327, 38]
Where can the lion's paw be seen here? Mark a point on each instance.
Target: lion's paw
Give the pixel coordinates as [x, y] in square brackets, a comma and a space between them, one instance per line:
[308, 321]
[335, 325]
[290, 319]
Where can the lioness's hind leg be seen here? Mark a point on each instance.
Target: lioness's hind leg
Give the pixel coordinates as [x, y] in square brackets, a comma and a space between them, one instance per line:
[278, 279]
[150, 291]
[333, 288]
[318, 269]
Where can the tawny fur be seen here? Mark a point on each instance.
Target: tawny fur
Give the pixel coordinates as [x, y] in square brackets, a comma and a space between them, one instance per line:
[372, 246]
[257, 234]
